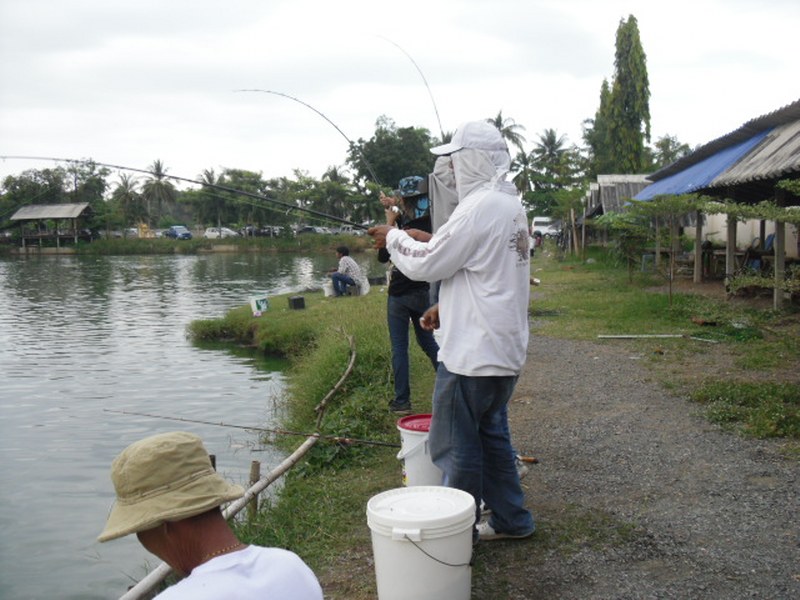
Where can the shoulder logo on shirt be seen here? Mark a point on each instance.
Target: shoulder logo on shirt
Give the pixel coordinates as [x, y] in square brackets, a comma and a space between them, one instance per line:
[520, 243]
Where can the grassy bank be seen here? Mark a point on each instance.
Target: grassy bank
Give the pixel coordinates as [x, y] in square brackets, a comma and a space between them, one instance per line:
[321, 511]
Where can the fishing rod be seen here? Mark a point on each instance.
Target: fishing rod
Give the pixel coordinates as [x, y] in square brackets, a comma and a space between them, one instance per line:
[321, 114]
[215, 186]
[332, 438]
[424, 80]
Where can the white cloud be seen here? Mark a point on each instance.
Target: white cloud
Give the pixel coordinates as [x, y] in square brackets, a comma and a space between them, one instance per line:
[127, 83]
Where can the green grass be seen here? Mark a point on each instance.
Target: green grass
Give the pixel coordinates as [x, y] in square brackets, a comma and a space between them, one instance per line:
[320, 512]
[581, 301]
[756, 409]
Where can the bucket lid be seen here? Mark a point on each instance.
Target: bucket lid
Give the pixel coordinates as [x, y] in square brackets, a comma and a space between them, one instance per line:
[431, 508]
[415, 423]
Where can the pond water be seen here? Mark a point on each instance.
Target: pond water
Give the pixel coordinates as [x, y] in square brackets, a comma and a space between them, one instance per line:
[83, 336]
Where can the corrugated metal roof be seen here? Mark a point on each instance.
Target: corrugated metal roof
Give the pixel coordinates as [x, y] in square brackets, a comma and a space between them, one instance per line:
[776, 156]
[699, 175]
[615, 194]
[33, 212]
[611, 193]
[787, 114]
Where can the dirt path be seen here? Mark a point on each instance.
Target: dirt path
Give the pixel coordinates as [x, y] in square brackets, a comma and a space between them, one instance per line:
[635, 495]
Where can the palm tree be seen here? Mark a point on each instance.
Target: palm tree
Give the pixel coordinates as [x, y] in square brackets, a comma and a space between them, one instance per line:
[523, 180]
[159, 189]
[213, 203]
[129, 199]
[335, 174]
[509, 129]
[549, 150]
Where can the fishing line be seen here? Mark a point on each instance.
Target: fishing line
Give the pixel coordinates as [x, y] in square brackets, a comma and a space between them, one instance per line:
[424, 80]
[332, 438]
[195, 181]
[321, 114]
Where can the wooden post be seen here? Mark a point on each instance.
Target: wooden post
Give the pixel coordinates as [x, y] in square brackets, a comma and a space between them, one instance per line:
[730, 250]
[657, 258]
[698, 248]
[779, 248]
[255, 475]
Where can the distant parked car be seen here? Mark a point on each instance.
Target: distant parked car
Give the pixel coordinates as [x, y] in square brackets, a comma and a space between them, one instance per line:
[545, 227]
[214, 233]
[350, 230]
[178, 232]
[312, 229]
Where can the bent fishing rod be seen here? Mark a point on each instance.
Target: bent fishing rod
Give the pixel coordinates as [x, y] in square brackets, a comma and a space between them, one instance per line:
[424, 80]
[331, 438]
[204, 184]
[321, 114]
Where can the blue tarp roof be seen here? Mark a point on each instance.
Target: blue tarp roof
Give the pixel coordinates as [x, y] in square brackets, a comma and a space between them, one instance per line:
[700, 174]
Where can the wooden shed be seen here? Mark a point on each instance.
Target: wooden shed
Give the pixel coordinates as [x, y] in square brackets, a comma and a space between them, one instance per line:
[45, 223]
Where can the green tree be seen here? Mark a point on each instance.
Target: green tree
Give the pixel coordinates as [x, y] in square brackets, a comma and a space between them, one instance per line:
[34, 186]
[158, 192]
[596, 136]
[666, 150]
[391, 154]
[523, 167]
[88, 183]
[509, 129]
[554, 169]
[629, 124]
[128, 200]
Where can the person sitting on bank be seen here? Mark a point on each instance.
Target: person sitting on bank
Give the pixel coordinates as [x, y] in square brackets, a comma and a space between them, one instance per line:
[169, 495]
[348, 273]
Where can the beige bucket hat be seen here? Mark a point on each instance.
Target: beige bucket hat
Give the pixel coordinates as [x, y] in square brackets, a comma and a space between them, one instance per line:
[165, 477]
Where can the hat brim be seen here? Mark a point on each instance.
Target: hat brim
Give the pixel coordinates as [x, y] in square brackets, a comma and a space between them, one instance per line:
[193, 499]
[448, 148]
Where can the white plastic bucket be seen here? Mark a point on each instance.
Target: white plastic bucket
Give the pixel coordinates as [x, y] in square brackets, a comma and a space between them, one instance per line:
[418, 468]
[422, 542]
[327, 289]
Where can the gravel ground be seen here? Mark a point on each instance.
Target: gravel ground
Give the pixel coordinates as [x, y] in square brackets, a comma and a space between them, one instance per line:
[635, 495]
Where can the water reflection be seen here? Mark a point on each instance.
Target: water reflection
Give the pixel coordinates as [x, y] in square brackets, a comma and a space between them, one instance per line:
[81, 335]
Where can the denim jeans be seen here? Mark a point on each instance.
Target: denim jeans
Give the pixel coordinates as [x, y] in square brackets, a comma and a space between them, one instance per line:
[399, 309]
[340, 283]
[470, 442]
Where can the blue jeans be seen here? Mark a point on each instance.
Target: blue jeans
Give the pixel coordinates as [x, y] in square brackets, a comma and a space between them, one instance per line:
[470, 442]
[340, 283]
[399, 309]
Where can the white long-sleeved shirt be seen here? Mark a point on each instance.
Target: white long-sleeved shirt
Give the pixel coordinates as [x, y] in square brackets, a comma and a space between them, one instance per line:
[481, 255]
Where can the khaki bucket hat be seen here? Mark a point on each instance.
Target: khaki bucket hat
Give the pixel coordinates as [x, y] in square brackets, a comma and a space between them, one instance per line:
[165, 477]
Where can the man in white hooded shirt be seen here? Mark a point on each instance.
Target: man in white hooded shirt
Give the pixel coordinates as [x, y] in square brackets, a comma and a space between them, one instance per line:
[481, 256]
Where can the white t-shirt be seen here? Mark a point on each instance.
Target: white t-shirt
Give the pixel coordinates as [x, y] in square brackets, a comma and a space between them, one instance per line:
[248, 574]
[481, 255]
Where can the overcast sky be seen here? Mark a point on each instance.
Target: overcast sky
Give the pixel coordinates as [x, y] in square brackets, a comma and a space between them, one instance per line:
[130, 82]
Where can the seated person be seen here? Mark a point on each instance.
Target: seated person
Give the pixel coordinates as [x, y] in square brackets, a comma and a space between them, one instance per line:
[169, 495]
[348, 273]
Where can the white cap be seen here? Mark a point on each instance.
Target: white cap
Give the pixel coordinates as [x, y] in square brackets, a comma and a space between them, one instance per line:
[474, 134]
